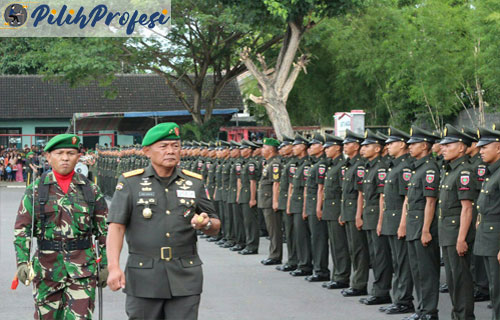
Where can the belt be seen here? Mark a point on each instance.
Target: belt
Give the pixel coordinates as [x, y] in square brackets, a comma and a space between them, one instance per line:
[488, 218]
[168, 253]
[65, 245]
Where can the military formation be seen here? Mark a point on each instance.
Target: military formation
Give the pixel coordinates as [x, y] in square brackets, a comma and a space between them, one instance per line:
[402, 205]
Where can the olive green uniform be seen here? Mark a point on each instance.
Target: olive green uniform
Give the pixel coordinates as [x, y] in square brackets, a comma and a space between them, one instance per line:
[271, 174]
[354, 172]
[247, 174]
[318, 228]
[238, 226]
[424, 261]
[395, 190]
[487, 243]
[228, 211]
[288, 171]
[163, 274]
[337, 236]
[457, 185]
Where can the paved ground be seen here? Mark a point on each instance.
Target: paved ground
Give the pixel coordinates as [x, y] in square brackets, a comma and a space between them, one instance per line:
[236, 287]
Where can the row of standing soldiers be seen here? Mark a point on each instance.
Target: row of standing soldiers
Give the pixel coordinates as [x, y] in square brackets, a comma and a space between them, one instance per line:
[110, 163]
[381, 202]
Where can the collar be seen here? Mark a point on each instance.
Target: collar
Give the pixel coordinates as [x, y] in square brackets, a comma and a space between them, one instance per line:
[149, 171]
[372, 163]
[51, 179]
[455, 163]
[494, 166]
[354, 159]
[423, 160]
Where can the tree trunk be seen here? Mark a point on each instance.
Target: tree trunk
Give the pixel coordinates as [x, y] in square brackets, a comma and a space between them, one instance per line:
[278, 114]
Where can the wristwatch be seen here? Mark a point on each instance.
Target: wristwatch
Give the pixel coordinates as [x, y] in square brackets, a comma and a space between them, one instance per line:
[208, 226]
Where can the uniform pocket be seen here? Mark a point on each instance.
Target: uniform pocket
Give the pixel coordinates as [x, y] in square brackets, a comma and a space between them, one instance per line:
[190, 262]
[139, 262]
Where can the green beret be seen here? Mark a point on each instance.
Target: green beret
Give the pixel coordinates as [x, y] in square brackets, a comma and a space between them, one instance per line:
[162, 131]
[271, 142]
[62, 141]
[29, 154]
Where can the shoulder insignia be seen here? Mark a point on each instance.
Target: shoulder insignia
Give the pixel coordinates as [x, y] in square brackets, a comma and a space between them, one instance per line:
[192, 174]
[133, 173]
[465, 172]
[430, 171]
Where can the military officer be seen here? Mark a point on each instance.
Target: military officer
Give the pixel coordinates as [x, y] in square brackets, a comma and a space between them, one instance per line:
[268, 193]
[481, 291]
[419, 224]
[317, 226]
[328, 209]
[211, 166]
[68, 210]
[220, 193]
[395, 189]
[457, 193]
[352, 206]
[228, 208]
[160, 208]
[247, 198]
[289, 167]
[487, 244]
[295, 206]
[371, 218]
[232, 197]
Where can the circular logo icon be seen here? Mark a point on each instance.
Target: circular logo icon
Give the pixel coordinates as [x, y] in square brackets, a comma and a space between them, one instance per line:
[15, 15]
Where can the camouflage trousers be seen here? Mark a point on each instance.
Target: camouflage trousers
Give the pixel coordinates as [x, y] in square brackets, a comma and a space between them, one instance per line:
[68, 299]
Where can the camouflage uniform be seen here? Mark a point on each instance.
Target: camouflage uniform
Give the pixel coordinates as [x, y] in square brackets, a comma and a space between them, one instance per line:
[65, 281]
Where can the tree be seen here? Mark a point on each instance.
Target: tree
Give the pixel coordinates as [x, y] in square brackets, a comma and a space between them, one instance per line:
[276, 82]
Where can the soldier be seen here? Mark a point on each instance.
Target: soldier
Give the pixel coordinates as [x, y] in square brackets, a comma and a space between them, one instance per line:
[228, 208]
[457, 192]
[289, 167]
[268, 193]
[232, 198]
[247, 198]
[67, 210]
[220, 192]
[371, 219]
[481, 286]
[295, 206]
[352, 206]
[419, 225]
[160, 208]
[395, 189]
[210, 164]
[257, 155]
[317, 227]
[328, 209]
[487, 244]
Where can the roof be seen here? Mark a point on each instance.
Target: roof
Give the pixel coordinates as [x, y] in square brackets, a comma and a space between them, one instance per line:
[30, 97]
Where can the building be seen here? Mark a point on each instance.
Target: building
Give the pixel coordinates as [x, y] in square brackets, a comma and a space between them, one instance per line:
[32, 109]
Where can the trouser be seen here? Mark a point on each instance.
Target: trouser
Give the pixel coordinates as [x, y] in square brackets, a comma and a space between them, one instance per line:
[273, 223]
[493, 272]
[402, 282]
[290, 239]
[65, 299]
[460, 284]
[239, 226]
[251, 223]
[319, 245]
[229, 231]
[479, 276]
[302, 243]
[220, 213]
[381, 263]
[425, 268]
[175, 308]
[358, 250]
[262, 221]
[341, 270]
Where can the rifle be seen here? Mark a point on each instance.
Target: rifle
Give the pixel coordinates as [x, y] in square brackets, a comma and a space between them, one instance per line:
[99, 288]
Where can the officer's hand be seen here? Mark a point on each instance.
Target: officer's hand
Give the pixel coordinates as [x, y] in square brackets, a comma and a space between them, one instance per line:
[304, 215]
[319, 214]
[401, 232]
[379, 229]
[116, 279]
[426, 238]
[103, 277]
[359, 223]
[23, 272]
[498, 257]
[252, 203]
[199, 221]
[275, 206]
[462, 247]
[341, 222]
